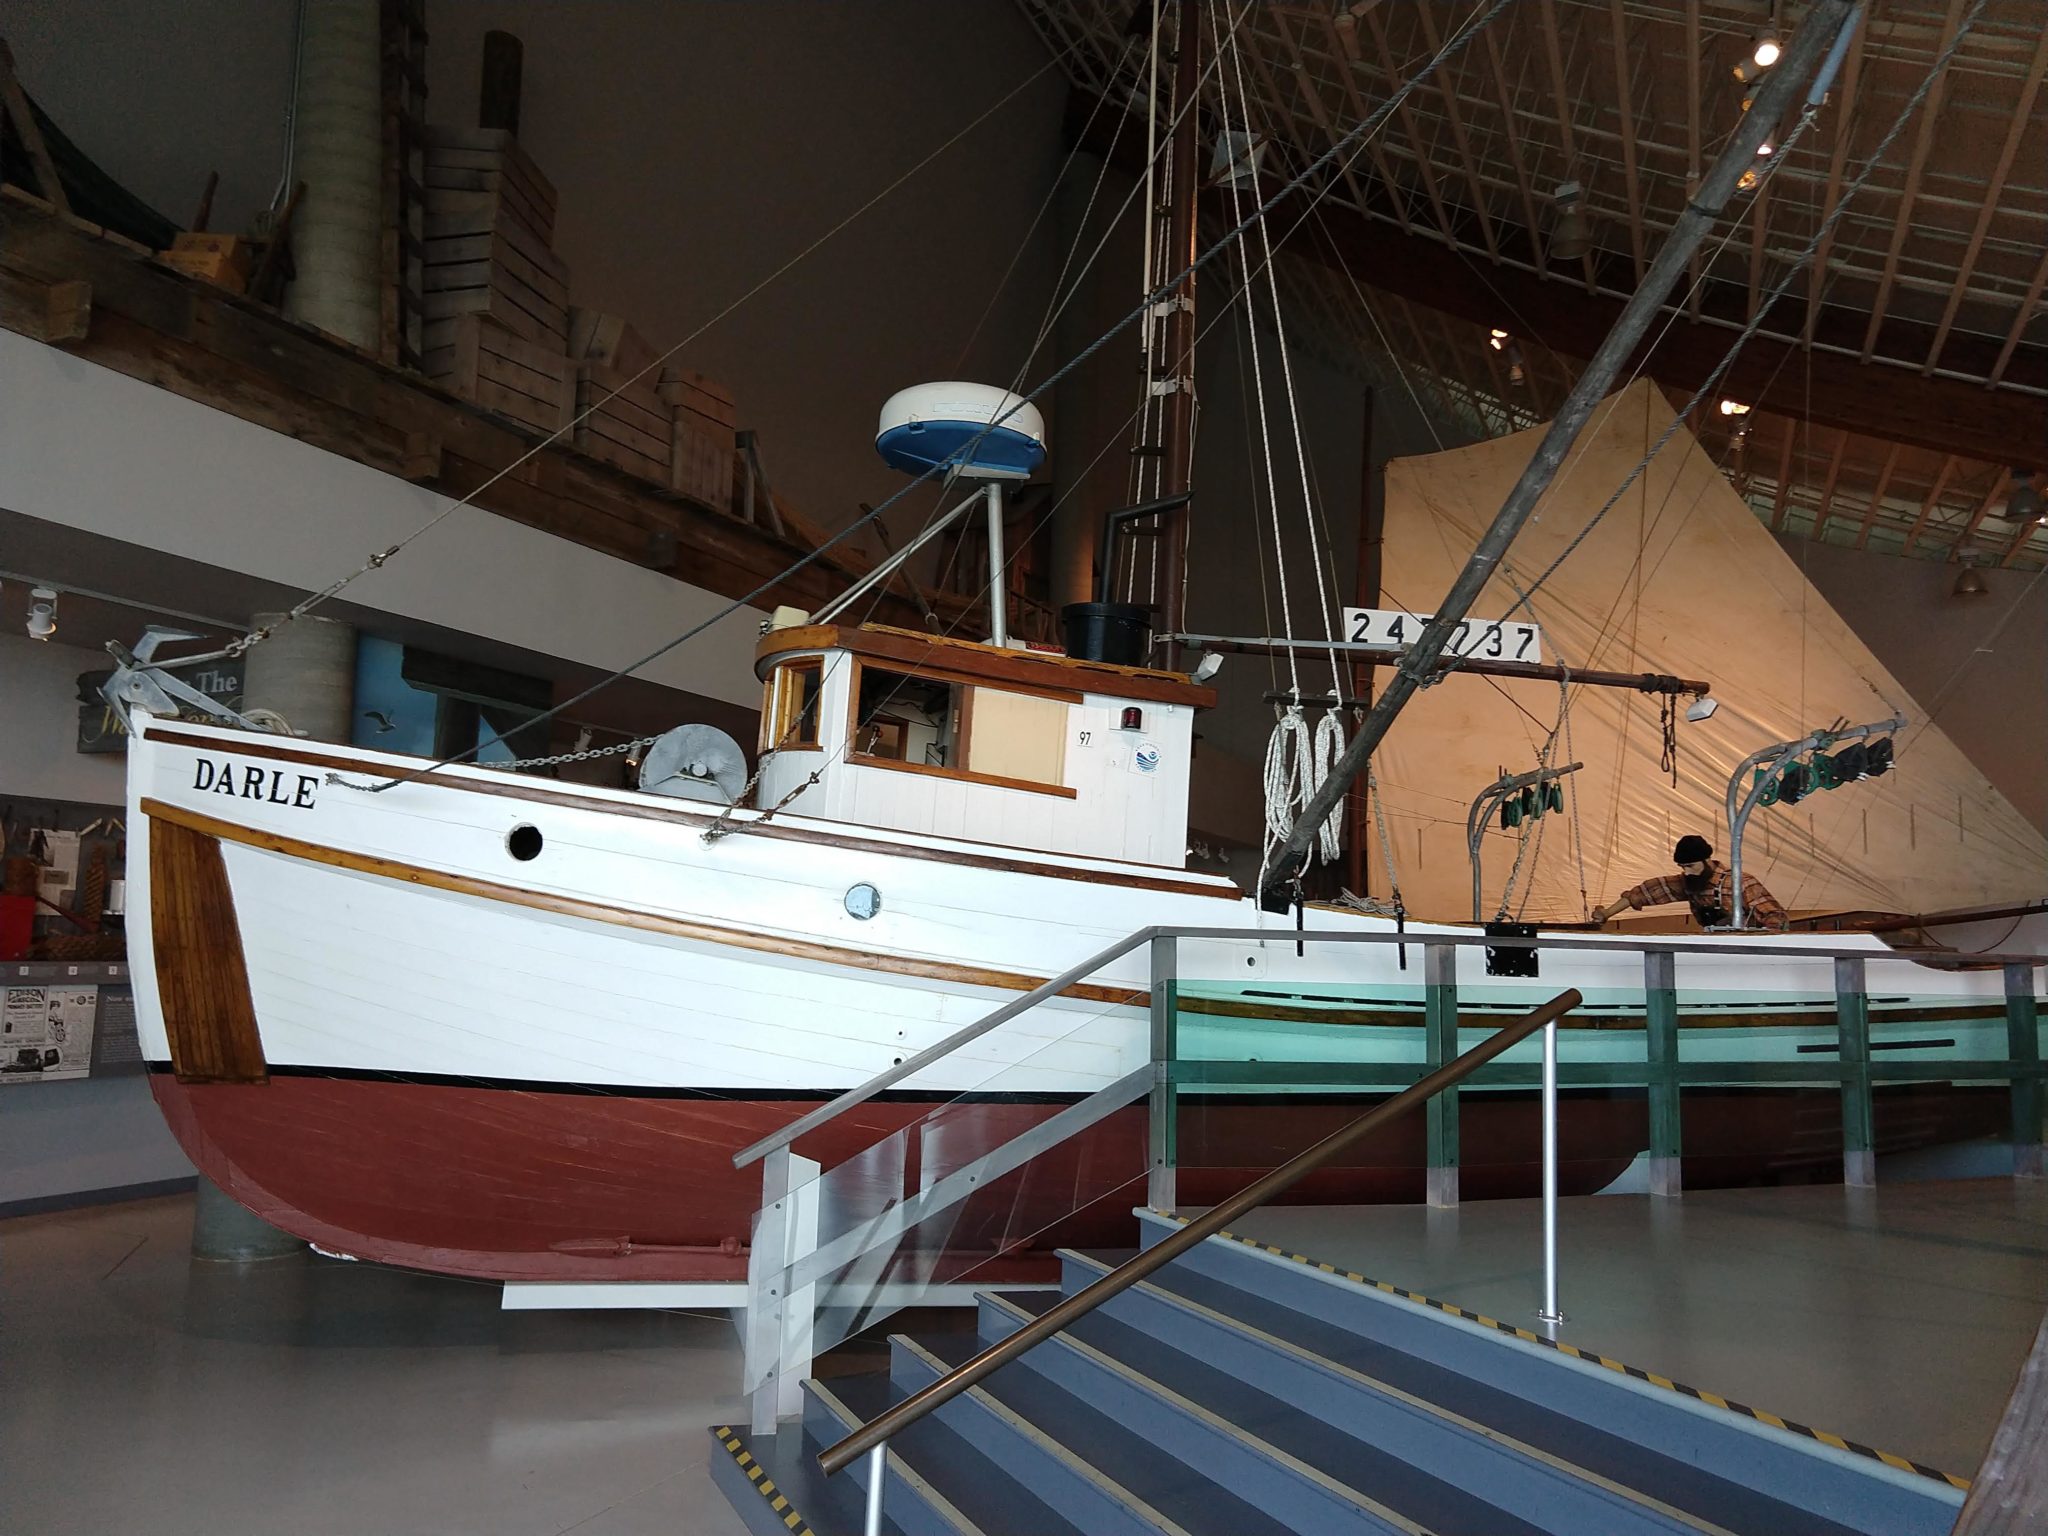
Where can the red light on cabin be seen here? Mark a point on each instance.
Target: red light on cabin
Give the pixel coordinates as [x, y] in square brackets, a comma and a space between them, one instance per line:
[1134, 718]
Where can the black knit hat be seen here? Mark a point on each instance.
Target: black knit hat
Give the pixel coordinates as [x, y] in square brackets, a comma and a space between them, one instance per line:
[1692, 849]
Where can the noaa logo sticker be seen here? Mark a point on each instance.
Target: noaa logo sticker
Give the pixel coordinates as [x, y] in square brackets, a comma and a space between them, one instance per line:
[1146, 758]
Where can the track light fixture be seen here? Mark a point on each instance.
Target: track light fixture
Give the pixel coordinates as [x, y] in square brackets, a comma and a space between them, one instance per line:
[1734, 408]
[42, 613]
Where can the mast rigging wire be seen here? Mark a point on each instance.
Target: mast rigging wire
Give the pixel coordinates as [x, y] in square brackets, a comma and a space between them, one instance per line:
[1451, 48]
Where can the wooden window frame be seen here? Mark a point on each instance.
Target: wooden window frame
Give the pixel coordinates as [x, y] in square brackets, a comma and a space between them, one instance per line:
[783, 708]
[966, 707]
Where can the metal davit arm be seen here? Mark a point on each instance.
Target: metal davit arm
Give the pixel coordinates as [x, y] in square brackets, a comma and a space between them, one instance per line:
[878, 1431]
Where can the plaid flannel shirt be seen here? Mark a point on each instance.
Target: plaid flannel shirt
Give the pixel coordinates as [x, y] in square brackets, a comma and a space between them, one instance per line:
[1760, 908]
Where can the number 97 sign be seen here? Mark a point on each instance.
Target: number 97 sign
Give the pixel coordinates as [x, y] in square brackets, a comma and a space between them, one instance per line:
[1489, 639]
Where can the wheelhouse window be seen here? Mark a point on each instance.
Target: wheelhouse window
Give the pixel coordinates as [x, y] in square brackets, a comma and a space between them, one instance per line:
[960, 730]
[789, 715]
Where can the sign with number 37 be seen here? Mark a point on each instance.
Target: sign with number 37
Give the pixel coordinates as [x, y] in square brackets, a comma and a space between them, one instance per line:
[1492, 639]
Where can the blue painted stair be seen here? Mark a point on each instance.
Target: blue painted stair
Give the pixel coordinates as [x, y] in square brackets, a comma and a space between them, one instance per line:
[1243, 1393]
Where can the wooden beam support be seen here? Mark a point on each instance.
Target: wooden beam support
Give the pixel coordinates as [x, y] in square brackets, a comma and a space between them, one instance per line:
[14, 104]
[1456, 119]
[67, 313]
[1784, 488]
[1923, 140]
[1537, 251]
[1555, 57]
[1999, 480]
[2028, 308]
[1994, 193]
[1827, 490]
[1315, 99]
[1692, 139]
[1884, 480]
[1948, 469]
[1828, 385]
[1405, 112]
[1624, 106]
[1845, 129]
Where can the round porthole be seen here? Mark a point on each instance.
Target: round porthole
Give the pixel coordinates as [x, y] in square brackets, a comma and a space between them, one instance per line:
[863, 902]
[524, 842]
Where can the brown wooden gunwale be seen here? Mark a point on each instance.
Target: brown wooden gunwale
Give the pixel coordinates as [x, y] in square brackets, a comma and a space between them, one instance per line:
[253, 747]
[624, 917]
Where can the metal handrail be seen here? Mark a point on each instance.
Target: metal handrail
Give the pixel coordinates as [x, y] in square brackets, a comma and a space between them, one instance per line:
[878, 1431]
[830, 1110]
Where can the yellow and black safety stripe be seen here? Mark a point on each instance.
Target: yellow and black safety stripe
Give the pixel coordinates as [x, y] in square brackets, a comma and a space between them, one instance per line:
[763, 1483]
[1711, 1399]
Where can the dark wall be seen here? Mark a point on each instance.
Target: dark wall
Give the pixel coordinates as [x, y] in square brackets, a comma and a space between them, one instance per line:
[1978, 665]
[698, 147]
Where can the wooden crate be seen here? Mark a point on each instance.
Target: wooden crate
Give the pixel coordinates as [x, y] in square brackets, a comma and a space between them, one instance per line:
[500, 371]
[499, 271]
[702, 441]
[223, 260]
[700, 462]
[688, 390]
[629, 430]
[610, 342]
[489, 160]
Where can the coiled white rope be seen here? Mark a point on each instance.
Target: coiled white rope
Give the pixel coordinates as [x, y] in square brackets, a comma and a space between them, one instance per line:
[1299, 758]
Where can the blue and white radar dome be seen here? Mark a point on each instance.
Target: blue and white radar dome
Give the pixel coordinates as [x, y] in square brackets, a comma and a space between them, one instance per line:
[931, 425]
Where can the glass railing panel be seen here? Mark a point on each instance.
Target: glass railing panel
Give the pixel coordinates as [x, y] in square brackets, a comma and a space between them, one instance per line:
[1029, 1138]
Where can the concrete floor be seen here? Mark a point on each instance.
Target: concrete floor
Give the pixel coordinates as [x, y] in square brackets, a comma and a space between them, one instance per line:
[141, 1393]
[146, 1394]
[1897, 1316]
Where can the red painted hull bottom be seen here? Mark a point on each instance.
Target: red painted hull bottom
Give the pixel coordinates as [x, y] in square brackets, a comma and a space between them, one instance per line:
[499, 1184]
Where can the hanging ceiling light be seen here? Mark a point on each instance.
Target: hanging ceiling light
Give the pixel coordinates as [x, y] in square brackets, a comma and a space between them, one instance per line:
[1572, 236]
[1969, 583]
[2023, 501]
[1734, 408]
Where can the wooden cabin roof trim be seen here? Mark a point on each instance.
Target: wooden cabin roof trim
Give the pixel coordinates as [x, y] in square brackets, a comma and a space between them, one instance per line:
[975, 661]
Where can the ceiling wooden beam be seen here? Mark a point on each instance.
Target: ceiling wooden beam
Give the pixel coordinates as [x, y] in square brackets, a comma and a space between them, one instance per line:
[1943, 414]
[2020, 534]
[1555, 57]
[1884, 481]
[1692, 139]
[1969, 532]
[1315, 100]
[1923, 140]
[1459, 138]
[1948, 468]
[1403, 111]
[1778, 497]
[2028, 308]
[1993, 196]
[1514, 137]
[1624, 107]
[1827, 490]
[1845, 129]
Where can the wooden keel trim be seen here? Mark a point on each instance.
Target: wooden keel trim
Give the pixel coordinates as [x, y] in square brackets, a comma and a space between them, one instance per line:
[202, 978]
[210, 828]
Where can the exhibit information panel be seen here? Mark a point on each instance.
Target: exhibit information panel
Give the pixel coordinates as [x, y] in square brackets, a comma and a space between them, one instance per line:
[46, 1032]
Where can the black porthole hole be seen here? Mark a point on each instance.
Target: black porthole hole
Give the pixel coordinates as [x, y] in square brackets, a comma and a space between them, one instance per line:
[524, 842]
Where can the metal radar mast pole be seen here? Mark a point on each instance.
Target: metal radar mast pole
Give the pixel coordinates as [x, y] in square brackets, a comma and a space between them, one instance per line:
[1816, 40]
[1177, 378]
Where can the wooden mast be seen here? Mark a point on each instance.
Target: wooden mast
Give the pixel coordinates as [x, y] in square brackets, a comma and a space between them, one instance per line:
[1178, 380]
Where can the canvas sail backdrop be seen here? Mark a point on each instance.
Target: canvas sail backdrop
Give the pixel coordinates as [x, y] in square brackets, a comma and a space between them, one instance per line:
[1679, 578]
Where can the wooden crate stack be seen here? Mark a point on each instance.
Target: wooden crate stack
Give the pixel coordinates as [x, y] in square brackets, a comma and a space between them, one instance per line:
[620, 416]
[702, 442]
[497, 296]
